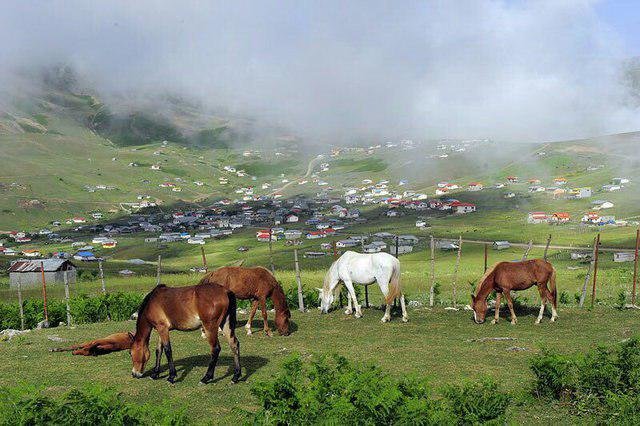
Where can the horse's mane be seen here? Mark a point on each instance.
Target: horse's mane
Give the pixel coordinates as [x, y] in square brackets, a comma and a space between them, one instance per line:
[325, 283]
[488, 272]
[279, 299]
[145, 302]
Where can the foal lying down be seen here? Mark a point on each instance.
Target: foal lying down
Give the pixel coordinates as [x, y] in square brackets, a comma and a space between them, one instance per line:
[112, 343]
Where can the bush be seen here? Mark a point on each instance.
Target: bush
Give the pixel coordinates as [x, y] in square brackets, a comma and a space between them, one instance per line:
[332, 390]
[90, 406]
[84, 309]
[606, 380]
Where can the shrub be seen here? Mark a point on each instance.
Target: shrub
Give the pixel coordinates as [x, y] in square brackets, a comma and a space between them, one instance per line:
[90, 406]
[332, 390]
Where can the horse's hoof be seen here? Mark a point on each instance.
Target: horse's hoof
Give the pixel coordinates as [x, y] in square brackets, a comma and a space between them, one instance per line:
[495, 321]
[348, 312]
[553, 319]
[405, 319]
[235, 379]
[385, 319]
[358, 315]
[249, 333]
[537, 322]
[155, 376]
[514, 322]
[171, 379]
[268, 333]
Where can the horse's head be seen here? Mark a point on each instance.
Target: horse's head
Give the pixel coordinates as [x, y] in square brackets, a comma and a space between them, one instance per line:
[282, 322]
[479, 306]
[326, 299]
[139, 356]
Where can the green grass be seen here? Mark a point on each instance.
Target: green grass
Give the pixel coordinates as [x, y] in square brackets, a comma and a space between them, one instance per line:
[435, 343]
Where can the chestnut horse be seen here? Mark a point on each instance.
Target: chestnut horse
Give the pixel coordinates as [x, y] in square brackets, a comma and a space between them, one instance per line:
[503, 277]
[112, 343]
[185, 308]
[256, 284]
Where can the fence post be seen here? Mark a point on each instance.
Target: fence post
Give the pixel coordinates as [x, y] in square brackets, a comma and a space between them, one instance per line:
[66, 296]
[20, 304]
[44, 295]
[546, 248]
[299, 281]
[635, 268]
[273, 268]
[595, 270]
[486, 255]
[583, 295]
[432, 245]
[204, 259]
[455, 271]
[159, 269]
[527, 250]
[104, 287]
[335, 257]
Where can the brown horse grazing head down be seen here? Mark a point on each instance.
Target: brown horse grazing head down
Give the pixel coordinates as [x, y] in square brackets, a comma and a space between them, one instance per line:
[257, 284]
[210, 307]
[503, 277]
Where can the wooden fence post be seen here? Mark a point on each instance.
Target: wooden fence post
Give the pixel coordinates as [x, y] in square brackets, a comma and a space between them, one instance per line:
[66, 296]
[44, 295]
[299, 281]
[432, 290]
[486, 256]
[273, 268]
[204, 259]
[20, 304]
[546, 248]
[635, 268]
[335, 257]
[104, 287]
[159, 269]
[583, 294]
[527, 250]
[455, 271]
[595, 270]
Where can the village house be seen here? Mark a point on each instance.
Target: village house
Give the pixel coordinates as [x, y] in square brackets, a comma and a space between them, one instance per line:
[537, 217]
[534, 181]
[560, 217]
[560, 181]
[28, 273]
[601, 204]
[620, 181]
[512, 179]
[461, 208]
[475, 186]
[155, 167]
[624, 256]
[591, 217]
[292, 234]
[611, 188]
[580, 192]
[501, 245]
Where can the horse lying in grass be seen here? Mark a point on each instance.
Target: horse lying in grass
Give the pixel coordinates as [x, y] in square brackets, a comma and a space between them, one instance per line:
[206, 306]
[359, 268]
[257, 284]
[112, 343]
[504, 277]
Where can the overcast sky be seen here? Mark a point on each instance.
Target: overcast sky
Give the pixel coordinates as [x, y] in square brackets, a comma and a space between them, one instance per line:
[344, 70]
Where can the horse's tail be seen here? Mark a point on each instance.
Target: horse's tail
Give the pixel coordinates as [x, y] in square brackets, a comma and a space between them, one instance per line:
[395, 289]
[552, 287]
[231, 314]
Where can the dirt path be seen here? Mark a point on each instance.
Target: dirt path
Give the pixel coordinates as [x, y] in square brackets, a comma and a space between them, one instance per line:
[310, 167]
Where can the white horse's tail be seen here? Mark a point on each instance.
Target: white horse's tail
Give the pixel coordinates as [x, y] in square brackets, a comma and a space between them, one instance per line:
[395, 289]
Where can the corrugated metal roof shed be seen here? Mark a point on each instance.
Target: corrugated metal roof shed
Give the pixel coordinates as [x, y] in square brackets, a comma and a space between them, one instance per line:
[50, 265]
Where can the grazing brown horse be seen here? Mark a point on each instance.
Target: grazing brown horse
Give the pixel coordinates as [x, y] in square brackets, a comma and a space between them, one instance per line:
[209, 306]
[503, 277]
[112, 343]
[256, 284]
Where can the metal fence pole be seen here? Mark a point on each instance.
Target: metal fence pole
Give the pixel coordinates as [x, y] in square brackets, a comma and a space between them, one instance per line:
[527, 250]
[273, 268]
[583, 294]
[635, 268]
[455, 271]
[20, 304]
[486, 256]
[546, 248]
[159, 269]
[204, 258]
[104, 287]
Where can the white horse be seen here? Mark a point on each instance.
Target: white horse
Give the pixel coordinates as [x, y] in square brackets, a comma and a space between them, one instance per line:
[359, 268]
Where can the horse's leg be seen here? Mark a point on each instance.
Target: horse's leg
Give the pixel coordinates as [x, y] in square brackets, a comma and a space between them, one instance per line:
[252, 313]
[352, 293]
[514, 319]
[405, 318]
[229, 333]
[497, 309]
[263, 308]
[156, 371]
[543, 301]
[163, 332]
[212, 336]
[349, 309]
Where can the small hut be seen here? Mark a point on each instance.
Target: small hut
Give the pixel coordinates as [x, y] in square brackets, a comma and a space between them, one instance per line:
[28, 273]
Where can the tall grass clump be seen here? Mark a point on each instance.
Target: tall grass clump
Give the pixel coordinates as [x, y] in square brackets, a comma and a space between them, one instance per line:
[333, 390]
